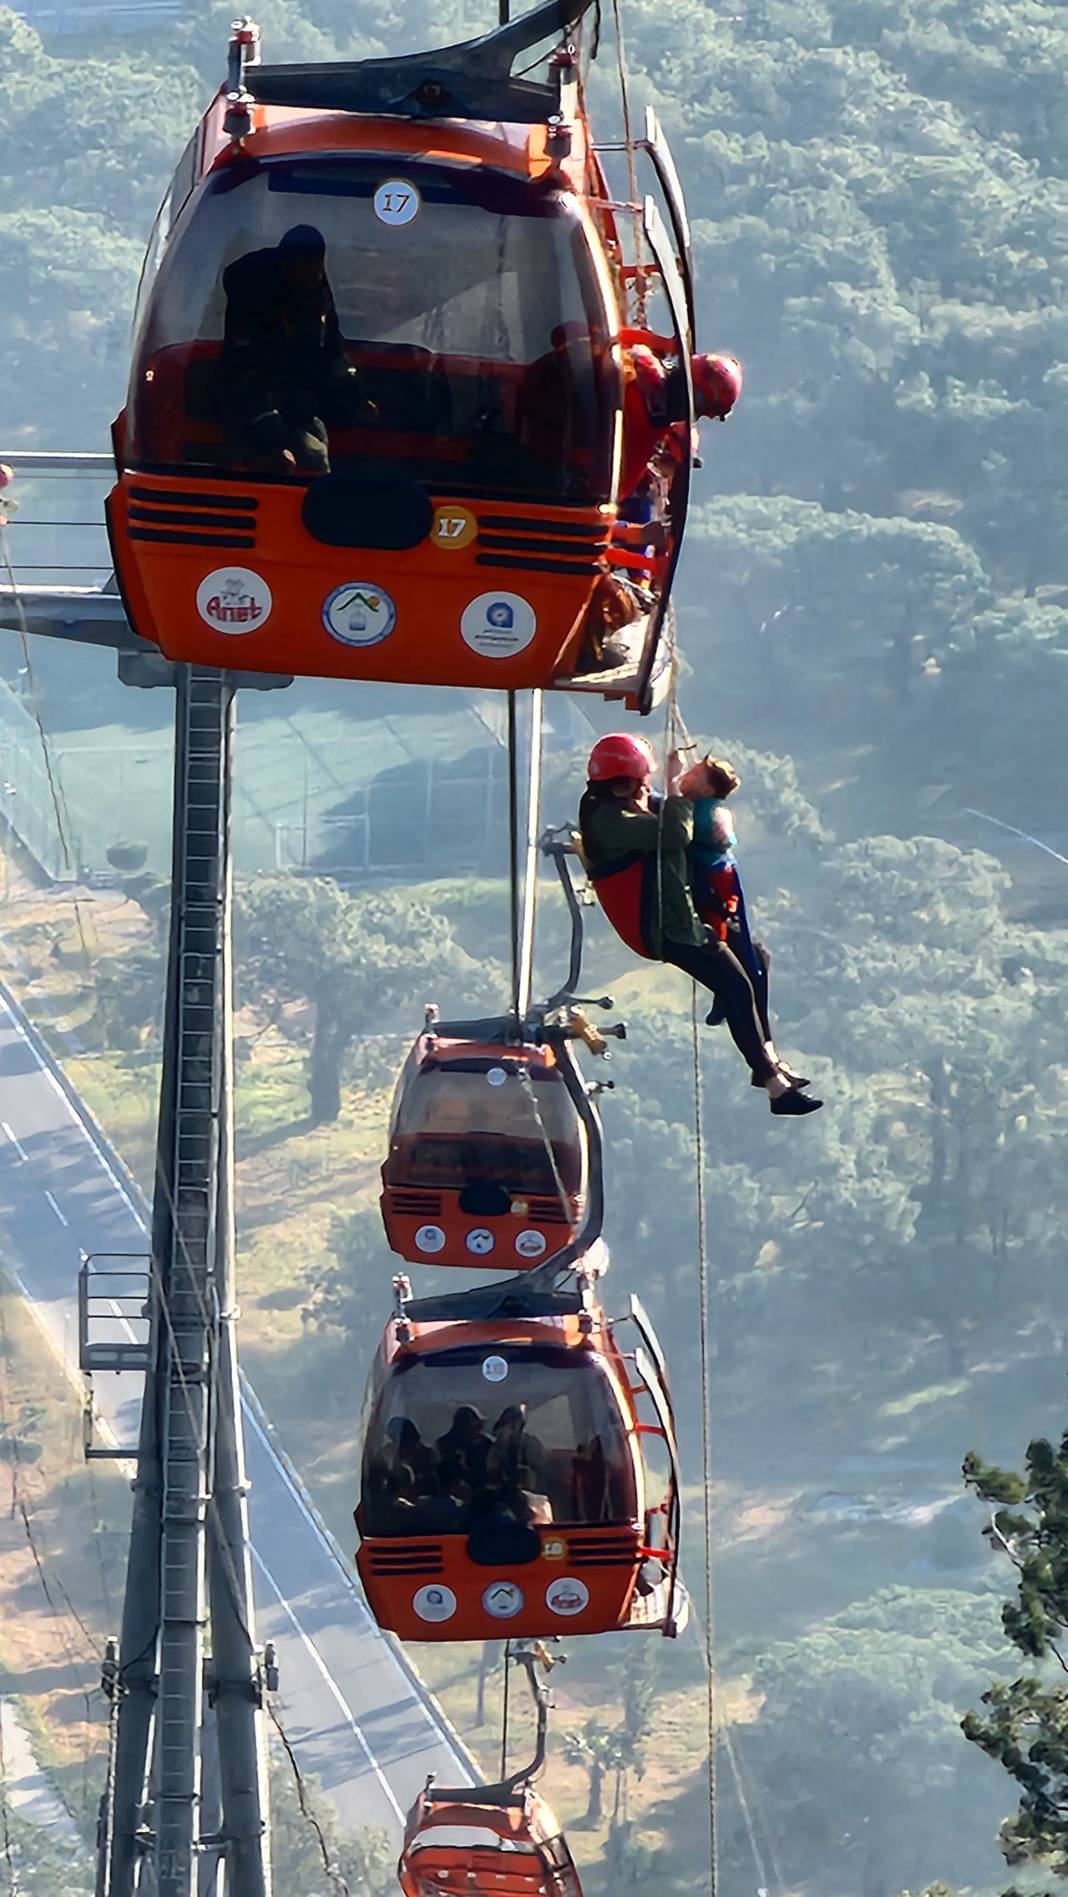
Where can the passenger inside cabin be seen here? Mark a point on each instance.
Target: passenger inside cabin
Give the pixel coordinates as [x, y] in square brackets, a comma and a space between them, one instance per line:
[516, 1456]
[407, 1446]
[466, 1439]
[285, 374]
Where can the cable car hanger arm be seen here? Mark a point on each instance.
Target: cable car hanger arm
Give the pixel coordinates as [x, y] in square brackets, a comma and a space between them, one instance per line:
[509, 1790]
[472, 80]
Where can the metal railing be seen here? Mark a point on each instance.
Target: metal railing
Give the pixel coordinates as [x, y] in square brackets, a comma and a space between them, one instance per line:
[56, 534]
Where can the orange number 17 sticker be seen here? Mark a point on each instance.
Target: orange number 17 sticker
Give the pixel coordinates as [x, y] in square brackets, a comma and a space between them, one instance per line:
[454, 528]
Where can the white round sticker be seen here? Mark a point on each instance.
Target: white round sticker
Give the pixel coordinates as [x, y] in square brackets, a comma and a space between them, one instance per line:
[566, 1596]
[495, 1369]
[234, 600]
[359, 614]
[480, 1241]
[434, 1603]
[396, 202]
[496, 1076]
[530, 1244]
[497, 625]
[503, 1600]
[430, 1238]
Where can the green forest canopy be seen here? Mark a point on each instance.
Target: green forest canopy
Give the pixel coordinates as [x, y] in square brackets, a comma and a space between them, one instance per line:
[874, 606]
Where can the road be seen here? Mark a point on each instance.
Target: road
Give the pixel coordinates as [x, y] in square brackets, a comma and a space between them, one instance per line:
[355, 1716]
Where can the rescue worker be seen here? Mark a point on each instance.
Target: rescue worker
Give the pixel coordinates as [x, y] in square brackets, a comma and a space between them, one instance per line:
[285, 374]
[636, 848]
[654, 401]
[717, 887]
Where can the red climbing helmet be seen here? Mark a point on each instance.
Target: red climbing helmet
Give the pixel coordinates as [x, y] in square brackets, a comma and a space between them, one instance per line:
[620, 755]
[717, 384]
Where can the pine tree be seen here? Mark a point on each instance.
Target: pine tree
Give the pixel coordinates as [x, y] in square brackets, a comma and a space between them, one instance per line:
[1024, 1725]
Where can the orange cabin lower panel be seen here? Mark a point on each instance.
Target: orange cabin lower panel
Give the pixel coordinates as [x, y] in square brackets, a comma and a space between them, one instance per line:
[428, 1588]
[439, 1871]
[225, 573]
[436, 1232]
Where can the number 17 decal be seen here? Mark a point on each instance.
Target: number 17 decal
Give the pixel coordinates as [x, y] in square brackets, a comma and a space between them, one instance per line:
[454, 528]
[396, 202]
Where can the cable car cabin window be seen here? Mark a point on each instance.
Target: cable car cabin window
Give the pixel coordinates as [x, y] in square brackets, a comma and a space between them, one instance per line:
[292, 329]
[453, 1123]
[177, 192]
[469, 1838]
[450, 1448]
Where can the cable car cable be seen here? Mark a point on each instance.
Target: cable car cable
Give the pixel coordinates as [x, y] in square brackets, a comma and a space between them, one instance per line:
[747, 1816]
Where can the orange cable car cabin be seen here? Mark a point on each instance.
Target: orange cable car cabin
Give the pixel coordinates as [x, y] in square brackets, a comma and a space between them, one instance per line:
[509, 1484]
[463, 1846]
[376, 417]
[489, 1150]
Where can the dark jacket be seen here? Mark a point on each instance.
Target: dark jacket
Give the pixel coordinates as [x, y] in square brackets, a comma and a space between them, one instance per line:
[639, 868]
[278, 338]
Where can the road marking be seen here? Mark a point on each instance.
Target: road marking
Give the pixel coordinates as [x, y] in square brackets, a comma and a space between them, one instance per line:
[55, 1208]
[429, 1711]
[331, 1684]
[305, 1639]
[72, 1113]
[17, 1144]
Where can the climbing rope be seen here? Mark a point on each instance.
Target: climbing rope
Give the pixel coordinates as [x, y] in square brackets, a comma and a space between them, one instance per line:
[706, 1437]
[640, 298]
[505, 1708]
[523, 876]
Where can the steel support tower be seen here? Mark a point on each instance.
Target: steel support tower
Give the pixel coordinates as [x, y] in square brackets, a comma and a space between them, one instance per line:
[189, 1566]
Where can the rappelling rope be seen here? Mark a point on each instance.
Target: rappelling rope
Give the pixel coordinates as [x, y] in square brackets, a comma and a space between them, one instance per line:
[523, 879]
[505, 1708]
[632, 171]
[706, 1439]
[513, 850]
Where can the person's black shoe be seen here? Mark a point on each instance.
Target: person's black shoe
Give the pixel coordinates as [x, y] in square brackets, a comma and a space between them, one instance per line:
[794, 1102]
[715, 1018]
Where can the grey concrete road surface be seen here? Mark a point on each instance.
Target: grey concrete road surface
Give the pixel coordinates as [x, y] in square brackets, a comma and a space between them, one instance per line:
[357, 1718]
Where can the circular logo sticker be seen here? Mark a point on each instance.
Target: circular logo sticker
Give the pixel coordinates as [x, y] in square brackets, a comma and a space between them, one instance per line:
[497, 625]
[496, 1076]
[553, 1550]
[234, 600]
[396, 202]
[454, 528]
[530, 1244]
[430, 1238]
[480, 1241]
[495, 1369]
[503, 1600]
[359, 614]
[434, 1603]
[566, 1596]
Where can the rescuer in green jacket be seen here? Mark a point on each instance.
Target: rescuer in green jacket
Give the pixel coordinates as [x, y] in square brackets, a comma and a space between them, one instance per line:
[636, 847]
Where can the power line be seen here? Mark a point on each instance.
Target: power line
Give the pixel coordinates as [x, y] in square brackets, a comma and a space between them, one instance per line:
[336, 1877]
